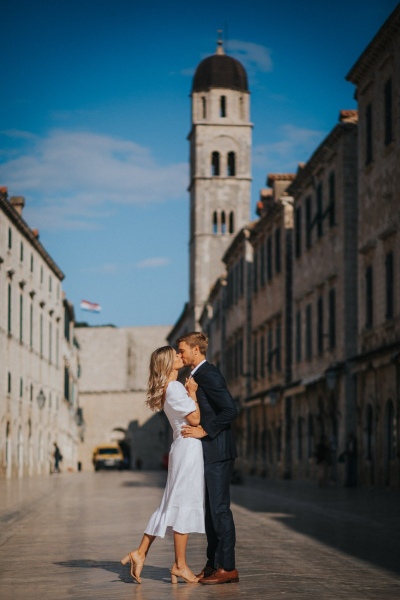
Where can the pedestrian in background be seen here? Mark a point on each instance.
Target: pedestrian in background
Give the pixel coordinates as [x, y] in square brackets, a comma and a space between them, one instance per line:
[323, 456]
[57, 458]
[351, 460]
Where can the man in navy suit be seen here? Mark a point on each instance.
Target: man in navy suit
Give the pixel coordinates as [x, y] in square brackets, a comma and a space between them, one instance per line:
[217, 410]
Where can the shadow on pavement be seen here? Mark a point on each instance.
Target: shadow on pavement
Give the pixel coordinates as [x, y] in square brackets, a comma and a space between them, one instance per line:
[142, 484]
[148, 572]
[362, 523]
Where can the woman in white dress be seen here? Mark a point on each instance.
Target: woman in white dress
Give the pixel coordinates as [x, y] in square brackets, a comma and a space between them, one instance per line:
[182, 506]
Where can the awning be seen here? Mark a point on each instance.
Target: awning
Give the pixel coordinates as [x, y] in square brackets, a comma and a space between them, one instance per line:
[312, 379]
[294, 391]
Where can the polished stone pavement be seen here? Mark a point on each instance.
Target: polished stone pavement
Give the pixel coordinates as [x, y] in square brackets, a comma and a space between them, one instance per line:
[62, 537]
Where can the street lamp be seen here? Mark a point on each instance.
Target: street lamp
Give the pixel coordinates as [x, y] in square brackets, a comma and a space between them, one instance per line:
[331, 376]
[41, 399]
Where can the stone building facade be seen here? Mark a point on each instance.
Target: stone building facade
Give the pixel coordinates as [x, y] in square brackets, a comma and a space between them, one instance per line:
[34, 410]
[113, 385]
[376, 75]
[324, 322]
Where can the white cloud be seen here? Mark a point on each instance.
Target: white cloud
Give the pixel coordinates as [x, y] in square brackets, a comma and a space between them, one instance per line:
[74, 177]
[296, 144]
[151, 263]
[254, 57]
[19, 134]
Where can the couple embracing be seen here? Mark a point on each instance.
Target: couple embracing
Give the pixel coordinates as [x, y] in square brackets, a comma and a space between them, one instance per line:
[196, 497]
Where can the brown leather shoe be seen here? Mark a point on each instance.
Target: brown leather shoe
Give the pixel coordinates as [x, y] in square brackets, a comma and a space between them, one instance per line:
[206, 572]
[221, 576]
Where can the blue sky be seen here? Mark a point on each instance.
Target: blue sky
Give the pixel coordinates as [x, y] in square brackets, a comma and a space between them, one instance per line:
[95, 111]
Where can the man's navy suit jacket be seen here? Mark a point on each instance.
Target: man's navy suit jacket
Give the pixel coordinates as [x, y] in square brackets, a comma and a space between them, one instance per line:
[217, 410]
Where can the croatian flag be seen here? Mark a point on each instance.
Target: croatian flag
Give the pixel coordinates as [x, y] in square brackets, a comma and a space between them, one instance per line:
[90, 306]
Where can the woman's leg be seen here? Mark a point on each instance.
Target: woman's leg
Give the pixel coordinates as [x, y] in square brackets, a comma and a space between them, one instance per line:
[138, 556]
[180, 542]
[144, 547]
[180, 567]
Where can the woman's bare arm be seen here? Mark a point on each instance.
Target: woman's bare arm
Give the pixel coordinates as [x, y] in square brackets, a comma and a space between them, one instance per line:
[192, 418]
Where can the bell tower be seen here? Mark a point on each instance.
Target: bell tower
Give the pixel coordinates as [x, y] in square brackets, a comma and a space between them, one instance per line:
[220, 169]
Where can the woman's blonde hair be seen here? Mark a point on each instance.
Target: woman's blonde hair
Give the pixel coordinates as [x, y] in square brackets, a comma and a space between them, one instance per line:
[161, 364]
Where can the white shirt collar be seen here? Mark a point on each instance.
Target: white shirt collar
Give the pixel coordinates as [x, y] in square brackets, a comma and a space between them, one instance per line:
[198, 366]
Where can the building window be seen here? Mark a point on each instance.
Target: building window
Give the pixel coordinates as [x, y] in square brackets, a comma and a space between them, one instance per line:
[332, 318]
[320, 210]
[278, 347]
[262, 251]
[270, 352]
[320, 325]
[255, 359]
[368, 135]
[308, 332]
[298, 336]
[57, 342]
[231, 222]
[308, 223]
[223, 222]
[21, 318]
[297, 225]
[204, 106]
[215, 164]
[215, 222]
[388, 104]
[332, 200]
[31, 393]
[222, 106]
[9, 319]
[31, 325]
[231, 166]
[66, 383]
[21, 387]
[50, 340]
[278, 250]
[41, 274]
[21, 252]
[9, 238]
[9, 383]
[241, 107]
[390, 418]
[269, 258]
[41, 335]
[389, 285]
[255, 271]
[262, 356]
[31, 263]
[50, 283]
[368, 297]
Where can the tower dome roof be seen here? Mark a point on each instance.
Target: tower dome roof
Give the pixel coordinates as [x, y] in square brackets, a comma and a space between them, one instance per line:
[220, 71]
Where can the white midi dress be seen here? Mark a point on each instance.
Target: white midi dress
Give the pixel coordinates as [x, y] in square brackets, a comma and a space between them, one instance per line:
[182, 505]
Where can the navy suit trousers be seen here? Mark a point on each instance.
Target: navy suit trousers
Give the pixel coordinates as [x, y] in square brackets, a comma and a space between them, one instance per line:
[220, 528]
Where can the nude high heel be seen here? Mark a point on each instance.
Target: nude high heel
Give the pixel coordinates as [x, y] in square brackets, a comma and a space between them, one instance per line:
[175, 574]
[134, 565]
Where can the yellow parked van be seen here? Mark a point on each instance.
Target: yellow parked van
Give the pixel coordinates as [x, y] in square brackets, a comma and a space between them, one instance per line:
[108, 456]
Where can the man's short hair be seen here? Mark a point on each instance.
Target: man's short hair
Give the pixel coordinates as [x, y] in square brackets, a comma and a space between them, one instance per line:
[195, 338]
